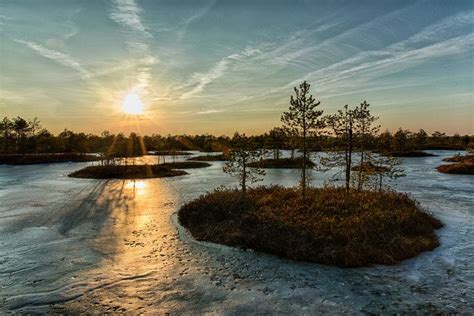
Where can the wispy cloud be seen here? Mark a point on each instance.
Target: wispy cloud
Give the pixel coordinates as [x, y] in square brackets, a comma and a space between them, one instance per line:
[57, 56]
[200, 80]
[127, 14]
[198, 15]
[434, 41]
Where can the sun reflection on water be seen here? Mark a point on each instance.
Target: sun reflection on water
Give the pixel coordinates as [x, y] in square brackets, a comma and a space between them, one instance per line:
[137, 187]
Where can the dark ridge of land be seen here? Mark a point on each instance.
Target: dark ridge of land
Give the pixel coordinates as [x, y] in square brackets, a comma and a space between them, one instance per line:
[30, 159]
[290, 163]
[330, 227]
[461, 165]
[170, 153]
[409, 154]
[185, 165]
[221, 157]
[369, 168]
[460, 158]
[126, 172]
[457, 168]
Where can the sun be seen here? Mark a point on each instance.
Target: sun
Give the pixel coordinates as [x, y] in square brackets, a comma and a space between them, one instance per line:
[132, 104]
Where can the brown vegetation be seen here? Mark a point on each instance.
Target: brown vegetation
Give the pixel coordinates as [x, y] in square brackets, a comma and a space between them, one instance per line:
[126, 172]
[459, 158]
[330, 227]
[461, 165]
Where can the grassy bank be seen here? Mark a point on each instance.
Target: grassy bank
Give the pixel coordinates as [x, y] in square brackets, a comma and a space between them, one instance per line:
[460, 158]
[221, 157]
[333, 228]
[461, 165]
[185, 165]
[290, 163]
[30, 159]
[126, 172]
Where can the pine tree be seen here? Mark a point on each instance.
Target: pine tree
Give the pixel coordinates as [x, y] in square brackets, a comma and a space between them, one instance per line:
[304, 120]
[342, 126]
[242, 154]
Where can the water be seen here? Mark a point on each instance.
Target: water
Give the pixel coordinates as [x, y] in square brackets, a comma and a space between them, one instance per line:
[86, 245]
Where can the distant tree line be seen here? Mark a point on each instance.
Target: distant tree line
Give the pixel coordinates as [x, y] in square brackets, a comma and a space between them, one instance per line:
[22, 136]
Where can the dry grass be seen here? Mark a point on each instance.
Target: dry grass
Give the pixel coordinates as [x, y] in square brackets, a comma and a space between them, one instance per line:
[331, 228]
[462, 165]
[457, 168]
[126, 172]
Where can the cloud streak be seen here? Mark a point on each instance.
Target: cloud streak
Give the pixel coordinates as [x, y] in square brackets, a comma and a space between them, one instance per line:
[57, 56]
[127, 14]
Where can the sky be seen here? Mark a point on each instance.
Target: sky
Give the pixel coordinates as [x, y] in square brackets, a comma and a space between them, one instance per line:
[218, 67]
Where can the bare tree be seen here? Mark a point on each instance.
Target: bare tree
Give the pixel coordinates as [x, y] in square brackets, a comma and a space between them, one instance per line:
[365, 131]
[303, 120]
[242, 154]
[341, 125]
[378, 171]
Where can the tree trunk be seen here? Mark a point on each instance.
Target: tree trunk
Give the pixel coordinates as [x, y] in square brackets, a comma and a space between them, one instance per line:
[244, 178]
[361, 162]
[303, 175]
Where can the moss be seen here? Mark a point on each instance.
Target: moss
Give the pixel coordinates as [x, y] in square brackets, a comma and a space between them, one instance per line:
[221, 157]
[331, 227]
[126, 172]
[290, 163]
[29, 159]
[185, 165]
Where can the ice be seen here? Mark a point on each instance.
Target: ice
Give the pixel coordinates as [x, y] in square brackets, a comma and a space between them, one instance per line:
[115, 246]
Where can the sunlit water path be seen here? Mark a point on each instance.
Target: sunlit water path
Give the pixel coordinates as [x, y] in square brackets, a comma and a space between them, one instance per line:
[104, 246]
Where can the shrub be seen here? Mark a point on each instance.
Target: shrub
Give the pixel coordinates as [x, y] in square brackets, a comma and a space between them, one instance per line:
[331, 227]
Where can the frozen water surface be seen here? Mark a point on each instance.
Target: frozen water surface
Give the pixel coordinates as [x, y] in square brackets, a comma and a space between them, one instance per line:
[114, 246]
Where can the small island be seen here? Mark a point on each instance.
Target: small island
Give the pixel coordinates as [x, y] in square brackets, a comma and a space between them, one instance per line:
[219, 157]
[281, 163]
[460, 165]
[126, 172]
[330, 227]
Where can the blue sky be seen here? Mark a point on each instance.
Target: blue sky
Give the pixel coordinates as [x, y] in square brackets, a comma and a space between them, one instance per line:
[222, 66]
